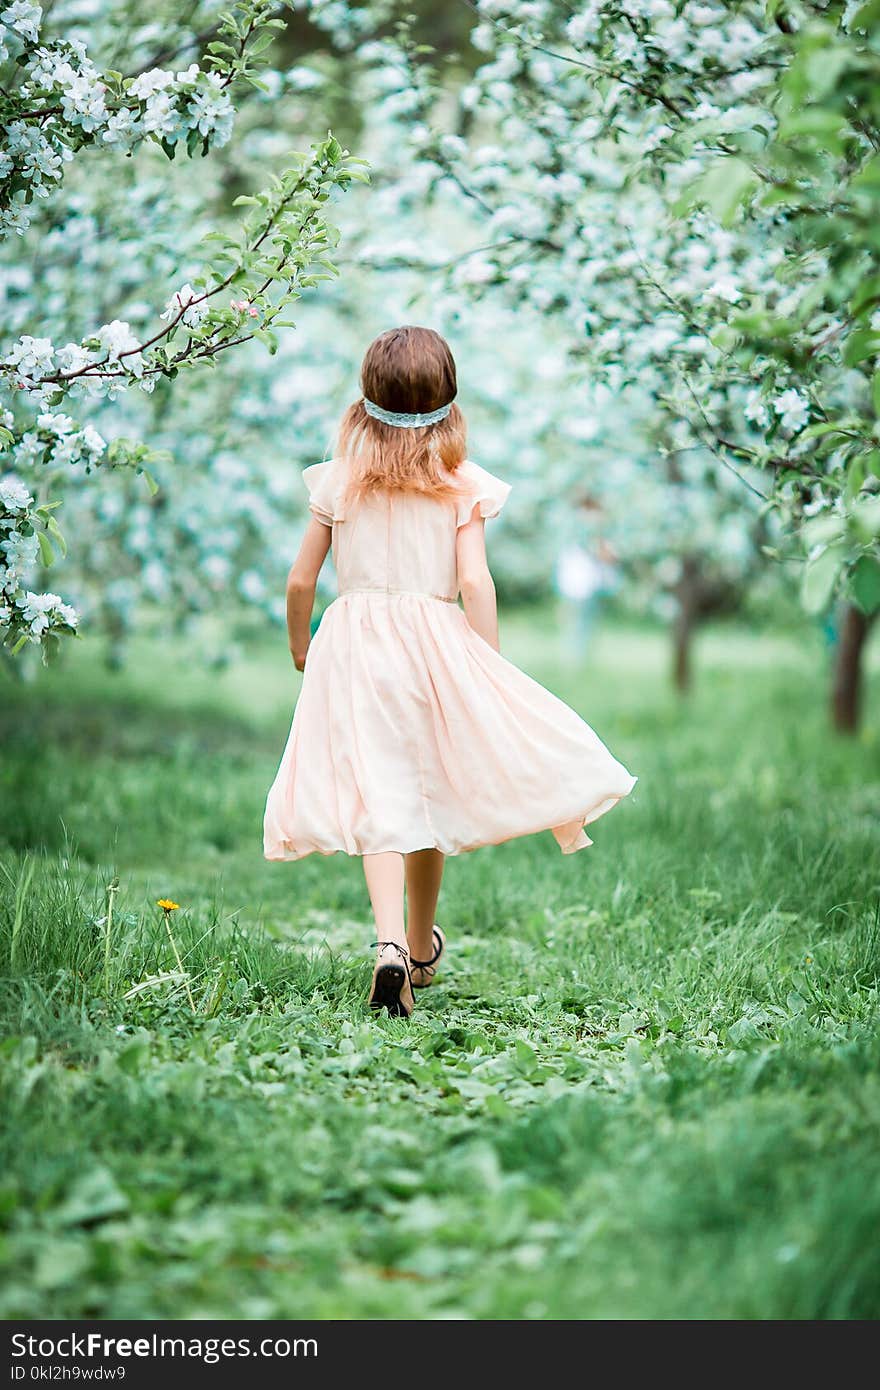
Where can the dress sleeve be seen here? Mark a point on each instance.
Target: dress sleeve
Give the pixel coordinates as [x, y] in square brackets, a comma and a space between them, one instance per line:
[323, 485]
[479, 485]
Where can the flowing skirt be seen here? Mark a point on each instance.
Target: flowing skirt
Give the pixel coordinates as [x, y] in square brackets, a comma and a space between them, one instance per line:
[411, 732]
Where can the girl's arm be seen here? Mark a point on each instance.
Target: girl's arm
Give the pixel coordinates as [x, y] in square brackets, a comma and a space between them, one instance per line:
[475, 581]
[301, 582]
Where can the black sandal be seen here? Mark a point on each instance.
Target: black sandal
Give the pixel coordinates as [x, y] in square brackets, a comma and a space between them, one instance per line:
[389, 982]
[429, 967]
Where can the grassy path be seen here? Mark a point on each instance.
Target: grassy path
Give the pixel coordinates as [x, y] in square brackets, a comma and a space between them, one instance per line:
[648, 1083]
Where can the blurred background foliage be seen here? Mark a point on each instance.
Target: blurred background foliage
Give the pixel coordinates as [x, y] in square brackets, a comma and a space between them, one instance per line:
[620, 215]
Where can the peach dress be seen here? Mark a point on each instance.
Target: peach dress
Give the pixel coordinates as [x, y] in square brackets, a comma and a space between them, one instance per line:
[410, 731]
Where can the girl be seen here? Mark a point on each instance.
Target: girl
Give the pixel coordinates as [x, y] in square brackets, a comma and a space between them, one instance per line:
[413, 738]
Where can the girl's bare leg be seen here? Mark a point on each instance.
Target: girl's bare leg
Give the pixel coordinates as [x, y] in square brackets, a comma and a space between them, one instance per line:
[384, 875]
[424, 874]
[391, 988]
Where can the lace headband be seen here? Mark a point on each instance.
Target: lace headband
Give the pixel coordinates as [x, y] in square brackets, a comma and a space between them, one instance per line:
[403, 421]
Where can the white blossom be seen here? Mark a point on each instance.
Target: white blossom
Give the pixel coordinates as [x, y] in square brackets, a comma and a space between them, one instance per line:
[53, 423]
[161, 117]
[14, 495]
[36, 611]
[82, 102]
[20, 553]
[31, 357]
[193, 312]
[210, 109]
[792, 408]
[72, 357]
[156, 80]
[93, 442]
[725, 288]
[117, 338]
[123, 128]
[24, 18]
[756, 410]
[583, 28]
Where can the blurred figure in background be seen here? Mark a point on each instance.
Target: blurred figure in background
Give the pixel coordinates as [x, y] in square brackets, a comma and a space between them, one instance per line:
[586, 571]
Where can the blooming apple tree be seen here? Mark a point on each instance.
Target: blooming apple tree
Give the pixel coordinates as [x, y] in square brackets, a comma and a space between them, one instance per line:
[691, 189]
[59, 102]
[247, 277]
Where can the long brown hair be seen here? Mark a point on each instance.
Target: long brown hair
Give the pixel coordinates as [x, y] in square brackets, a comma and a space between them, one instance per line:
[407, 370]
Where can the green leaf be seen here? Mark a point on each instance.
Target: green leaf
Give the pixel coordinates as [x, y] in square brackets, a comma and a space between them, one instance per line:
[260, 43]
[47, 554]
[867, 296]
[875, 391]
[724, 336]
[869, 174]
[725, 186]
[827, 427]
[525, 1057]
[820, 577]
[821, 530]
[855, 477]
[866, 514]
[150, 481]
[865, 342]
[864, 584]
[57, 534]
[743, 1029]
[60, 1262]
[134, 1056]
[94, 1196]
[865, 17]
[265, 335]
[824, 66]
[827, 127]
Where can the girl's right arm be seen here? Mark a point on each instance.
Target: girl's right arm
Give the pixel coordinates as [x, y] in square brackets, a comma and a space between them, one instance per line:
[475, 580]
[301, 583]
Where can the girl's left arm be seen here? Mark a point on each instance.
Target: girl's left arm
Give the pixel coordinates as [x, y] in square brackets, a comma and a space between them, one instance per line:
[301, 583]
[475, 579]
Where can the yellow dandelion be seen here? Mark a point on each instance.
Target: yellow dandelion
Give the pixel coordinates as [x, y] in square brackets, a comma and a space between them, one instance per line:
[167, 905]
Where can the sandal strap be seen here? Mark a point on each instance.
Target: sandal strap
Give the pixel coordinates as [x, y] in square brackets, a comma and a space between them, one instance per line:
[427, 964]
[402, 950]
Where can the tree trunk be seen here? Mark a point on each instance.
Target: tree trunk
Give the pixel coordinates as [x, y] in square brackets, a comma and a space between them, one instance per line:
[681, 669]
[687, 593]
[846, 691]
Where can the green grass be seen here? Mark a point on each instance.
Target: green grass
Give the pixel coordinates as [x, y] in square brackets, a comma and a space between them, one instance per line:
[647, 1084]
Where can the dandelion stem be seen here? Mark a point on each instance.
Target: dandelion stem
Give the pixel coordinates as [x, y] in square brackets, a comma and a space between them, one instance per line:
[179, 961]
